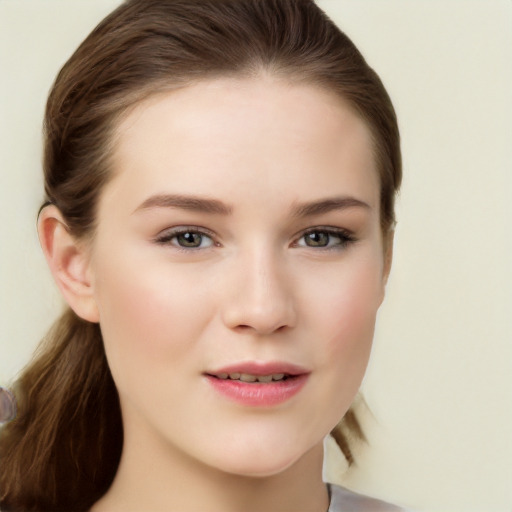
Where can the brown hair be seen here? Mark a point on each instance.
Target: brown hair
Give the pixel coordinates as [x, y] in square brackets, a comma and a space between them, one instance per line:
[62, 451]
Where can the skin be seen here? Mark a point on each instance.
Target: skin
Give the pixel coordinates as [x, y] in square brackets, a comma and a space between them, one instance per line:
[256, 289]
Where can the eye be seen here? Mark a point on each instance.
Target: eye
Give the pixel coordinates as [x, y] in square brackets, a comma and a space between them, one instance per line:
[186, 238]
[324, 238]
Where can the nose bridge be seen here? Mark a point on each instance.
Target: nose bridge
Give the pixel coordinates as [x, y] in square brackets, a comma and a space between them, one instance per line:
[262, 295]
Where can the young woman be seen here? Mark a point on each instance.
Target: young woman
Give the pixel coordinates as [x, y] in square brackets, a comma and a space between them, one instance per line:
[220, 179]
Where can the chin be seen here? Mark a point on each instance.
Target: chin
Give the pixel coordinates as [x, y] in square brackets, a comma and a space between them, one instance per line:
[258, 469]
[260, 461]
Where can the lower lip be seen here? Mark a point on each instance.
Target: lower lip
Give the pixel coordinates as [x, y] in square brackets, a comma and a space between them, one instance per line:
[259, 394]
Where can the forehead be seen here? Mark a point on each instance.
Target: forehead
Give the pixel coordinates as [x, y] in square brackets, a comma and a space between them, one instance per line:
[243, 133]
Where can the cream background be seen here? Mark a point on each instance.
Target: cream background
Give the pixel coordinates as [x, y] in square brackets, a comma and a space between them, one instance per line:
[439, 381]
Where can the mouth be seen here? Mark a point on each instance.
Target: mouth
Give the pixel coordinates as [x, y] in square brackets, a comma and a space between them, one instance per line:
[258, 384]
[249, 378]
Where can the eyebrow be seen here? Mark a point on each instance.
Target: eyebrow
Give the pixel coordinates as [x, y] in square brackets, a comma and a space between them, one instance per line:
[184, 202]
[327, 205]
[214, 206]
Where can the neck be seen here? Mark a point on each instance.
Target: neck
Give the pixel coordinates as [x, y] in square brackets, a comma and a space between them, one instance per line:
[162, 478]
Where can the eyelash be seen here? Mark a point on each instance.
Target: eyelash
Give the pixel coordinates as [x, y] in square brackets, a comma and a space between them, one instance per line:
[167, 237]
[345, 238]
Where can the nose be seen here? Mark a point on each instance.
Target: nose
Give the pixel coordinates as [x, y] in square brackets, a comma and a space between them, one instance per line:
[260, 295]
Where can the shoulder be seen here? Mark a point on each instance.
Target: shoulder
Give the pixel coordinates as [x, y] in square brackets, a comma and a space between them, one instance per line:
[344, 500]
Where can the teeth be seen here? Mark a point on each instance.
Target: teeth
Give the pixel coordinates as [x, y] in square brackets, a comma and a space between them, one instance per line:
[265, 378]
[247, 377]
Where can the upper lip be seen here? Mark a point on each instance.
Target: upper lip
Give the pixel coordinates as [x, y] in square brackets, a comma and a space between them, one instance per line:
[261, 368]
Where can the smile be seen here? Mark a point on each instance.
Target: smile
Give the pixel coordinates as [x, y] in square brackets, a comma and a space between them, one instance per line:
[257, 384]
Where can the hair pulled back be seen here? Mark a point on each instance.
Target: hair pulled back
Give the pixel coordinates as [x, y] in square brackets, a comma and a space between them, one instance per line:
[62, 451]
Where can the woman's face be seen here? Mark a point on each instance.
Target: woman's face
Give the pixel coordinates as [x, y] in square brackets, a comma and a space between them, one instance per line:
[239, 238]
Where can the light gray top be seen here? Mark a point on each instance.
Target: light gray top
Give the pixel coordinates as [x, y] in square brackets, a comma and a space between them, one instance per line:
[343, 500]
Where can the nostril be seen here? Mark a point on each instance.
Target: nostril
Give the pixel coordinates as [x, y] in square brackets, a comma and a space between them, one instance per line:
[243, 327]
[247, 329]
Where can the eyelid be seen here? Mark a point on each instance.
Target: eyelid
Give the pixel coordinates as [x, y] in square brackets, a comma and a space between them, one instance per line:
[346, 237]
[165, 236]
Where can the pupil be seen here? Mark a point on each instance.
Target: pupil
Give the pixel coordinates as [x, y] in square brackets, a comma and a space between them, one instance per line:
[190, 239]
[318, 239]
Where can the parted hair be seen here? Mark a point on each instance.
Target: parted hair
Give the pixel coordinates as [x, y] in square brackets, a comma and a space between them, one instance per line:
[62, 451]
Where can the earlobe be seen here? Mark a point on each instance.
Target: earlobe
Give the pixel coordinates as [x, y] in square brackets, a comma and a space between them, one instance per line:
[69, 263]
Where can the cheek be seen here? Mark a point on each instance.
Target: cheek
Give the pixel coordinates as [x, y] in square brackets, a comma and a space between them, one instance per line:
[349, 341]
[148, 314]
[349, 310]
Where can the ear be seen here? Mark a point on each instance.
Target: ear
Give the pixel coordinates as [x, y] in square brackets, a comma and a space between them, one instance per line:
[387, 246]
[388, 254]
[69, 263]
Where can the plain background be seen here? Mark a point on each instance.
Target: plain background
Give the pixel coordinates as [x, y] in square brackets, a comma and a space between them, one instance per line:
[438, 385]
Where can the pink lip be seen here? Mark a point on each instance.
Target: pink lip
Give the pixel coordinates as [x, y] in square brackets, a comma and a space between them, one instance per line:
[259, 394]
